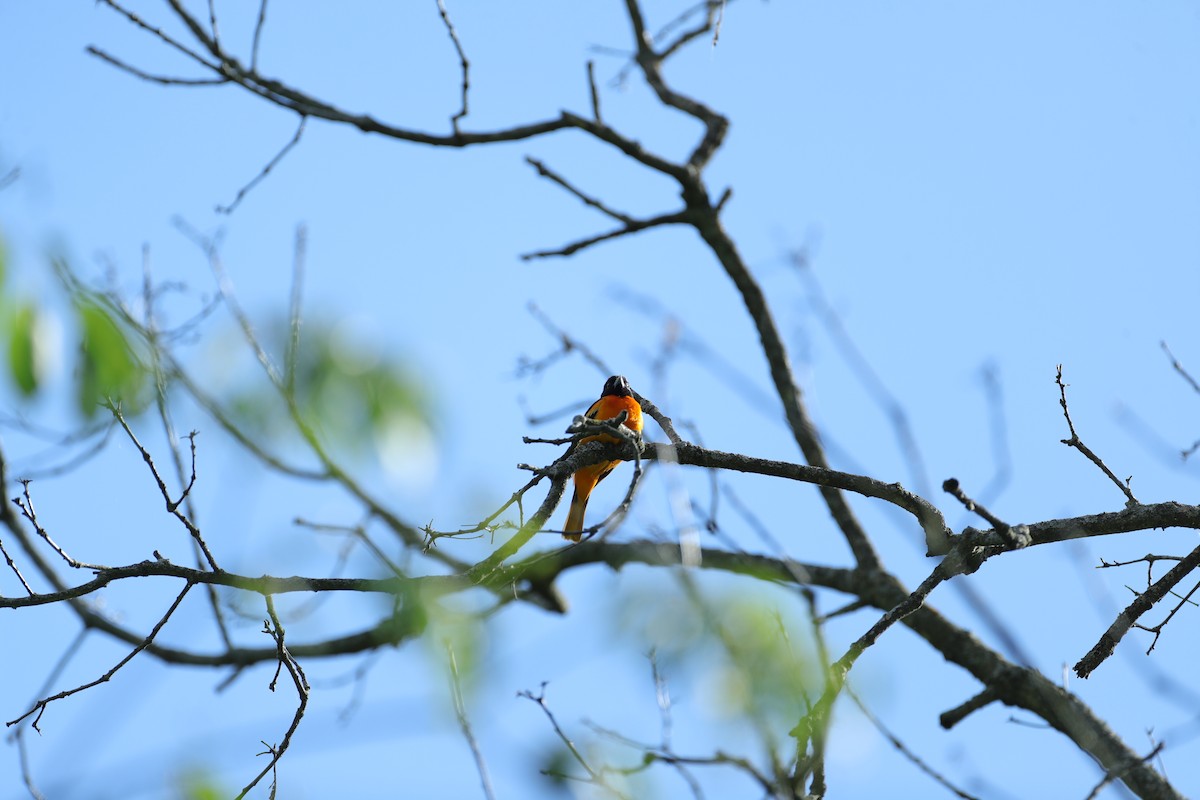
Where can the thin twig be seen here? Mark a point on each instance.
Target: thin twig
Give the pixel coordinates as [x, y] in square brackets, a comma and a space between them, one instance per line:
[26, 770]
[1179, 368]
[159, 34]
[1078, 444]
[633, 226]
[464, 65]
[25, 503]
[815, 720]
[464, 723]
[40, 706]
[660, 755]
[730, 375]
[595, 95]
[1112, 775]
[587, 199]
[212, 22]
[55, 672]
[818, 734]
[172, 505]
[154, 337]
[540, 699]
[333, 471]
[876, 388]
[359, 533]
[258, 29]
[293, 344]
[569, 343]
[16, 571]
[1127, 619]
[714, 12]
[266, 170]
[1157, 630]
[904, 750]
[10, 177]
[162, 80]
[286, 661]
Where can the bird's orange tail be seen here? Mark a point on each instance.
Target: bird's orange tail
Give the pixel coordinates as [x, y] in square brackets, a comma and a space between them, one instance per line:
[575, 516]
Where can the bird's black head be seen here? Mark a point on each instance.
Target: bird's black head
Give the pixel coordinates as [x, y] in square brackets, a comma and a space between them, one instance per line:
[616, 385]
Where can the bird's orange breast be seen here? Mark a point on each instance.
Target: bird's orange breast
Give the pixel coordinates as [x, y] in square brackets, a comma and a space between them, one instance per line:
[610, 406]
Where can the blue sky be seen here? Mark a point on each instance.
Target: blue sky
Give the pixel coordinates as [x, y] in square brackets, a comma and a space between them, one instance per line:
[1009, 187]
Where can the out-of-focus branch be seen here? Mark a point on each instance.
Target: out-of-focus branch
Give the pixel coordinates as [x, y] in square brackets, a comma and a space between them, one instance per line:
[464, 723]
[905, 750]
[1178, 367]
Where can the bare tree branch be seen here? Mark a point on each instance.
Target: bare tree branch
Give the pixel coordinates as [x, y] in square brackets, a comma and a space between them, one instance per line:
[1129, 617]
[1143, 517]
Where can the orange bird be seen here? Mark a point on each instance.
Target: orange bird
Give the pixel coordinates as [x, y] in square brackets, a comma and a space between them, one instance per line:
[615, 398]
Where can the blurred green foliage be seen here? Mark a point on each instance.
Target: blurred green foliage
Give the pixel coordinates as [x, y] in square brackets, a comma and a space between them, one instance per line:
[108, 367]
[199, 784]
[23, 350]
[737, 650]
[459, 630]
[342, 386]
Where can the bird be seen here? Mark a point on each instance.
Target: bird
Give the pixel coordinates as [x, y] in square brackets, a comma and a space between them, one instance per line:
[615, 398]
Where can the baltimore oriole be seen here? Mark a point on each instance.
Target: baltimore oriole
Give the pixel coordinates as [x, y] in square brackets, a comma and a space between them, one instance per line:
[615, 398]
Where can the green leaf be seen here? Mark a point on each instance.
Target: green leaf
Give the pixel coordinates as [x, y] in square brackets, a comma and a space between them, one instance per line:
[22, 348]
[108, 369]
